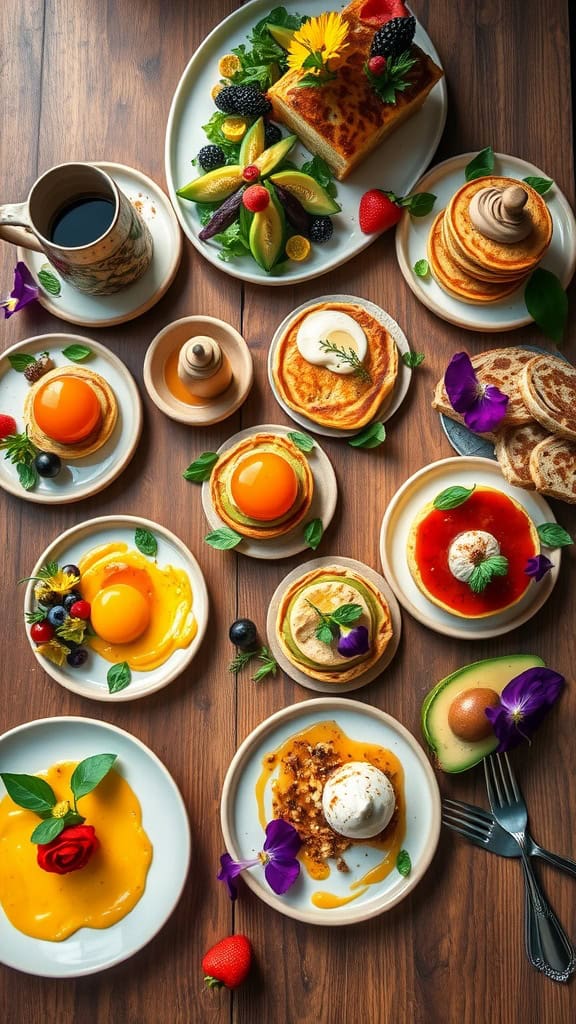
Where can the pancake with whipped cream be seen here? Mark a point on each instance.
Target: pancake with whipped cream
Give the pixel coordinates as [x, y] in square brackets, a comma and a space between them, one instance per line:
[70, 411]
[457, 280]
[311, 378]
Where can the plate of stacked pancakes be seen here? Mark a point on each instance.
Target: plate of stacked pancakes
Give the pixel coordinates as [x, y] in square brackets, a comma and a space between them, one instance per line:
[535, 445]
[483, 240]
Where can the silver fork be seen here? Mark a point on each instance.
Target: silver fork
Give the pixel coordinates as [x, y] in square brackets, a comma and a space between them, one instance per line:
[549, 948]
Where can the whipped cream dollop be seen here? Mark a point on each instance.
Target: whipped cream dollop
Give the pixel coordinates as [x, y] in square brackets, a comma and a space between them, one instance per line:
[500, 214]
[336, 328]
[358, 800]
[468, 549]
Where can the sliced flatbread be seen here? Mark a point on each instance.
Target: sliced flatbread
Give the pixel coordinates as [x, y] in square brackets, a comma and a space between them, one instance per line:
[553, 468]
[501, 367]
[513, 449]
[548, 388]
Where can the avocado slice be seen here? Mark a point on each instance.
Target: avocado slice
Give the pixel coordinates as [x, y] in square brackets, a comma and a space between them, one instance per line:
[453, 754]
[274, 155]
[312, 196]
[281, 35]
[252, 144]
[267, 231]
[214, 186]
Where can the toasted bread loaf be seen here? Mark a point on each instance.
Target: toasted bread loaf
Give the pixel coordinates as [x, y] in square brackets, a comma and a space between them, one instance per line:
[501, 367]
[548, 387]
[553, 468]
[513, 448]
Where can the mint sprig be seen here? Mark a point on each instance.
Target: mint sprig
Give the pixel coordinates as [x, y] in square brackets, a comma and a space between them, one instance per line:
[328, 628]
[484, 573]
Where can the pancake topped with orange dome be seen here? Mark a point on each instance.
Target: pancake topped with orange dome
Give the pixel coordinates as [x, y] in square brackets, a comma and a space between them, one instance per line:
[70, 411]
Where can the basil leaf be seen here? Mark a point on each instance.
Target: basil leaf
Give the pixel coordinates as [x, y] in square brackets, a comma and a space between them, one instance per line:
[540, 185]
[90, 772]
[223, 539]
[30, 792]
[419, 204]
[146, 542]
[27, 475]
[313, 532]
[552, 535]
[413, 359]
[49, 282]
[547, 303]
[20, 360]
[421, 268]
[483, 573]
[118, 677]
[324, 634]
[201, 468]
[302, 441]
[77, 353]
[48, 830]
[452, 497]
[346, 613]
[403, 863]
[371, 437]
[483, 163]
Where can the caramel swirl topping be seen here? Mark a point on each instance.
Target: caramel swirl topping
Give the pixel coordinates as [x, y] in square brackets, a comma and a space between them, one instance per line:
[499, 213]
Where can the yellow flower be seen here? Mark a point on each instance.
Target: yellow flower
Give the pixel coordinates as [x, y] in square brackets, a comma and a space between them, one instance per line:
[59, 583]
[323, 38]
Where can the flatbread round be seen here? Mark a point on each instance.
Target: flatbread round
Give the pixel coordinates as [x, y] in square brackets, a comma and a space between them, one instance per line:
[95, 440]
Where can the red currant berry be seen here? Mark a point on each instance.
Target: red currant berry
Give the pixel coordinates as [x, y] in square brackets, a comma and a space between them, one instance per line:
[251, 173]
[41, 632]
[377, 65]
[80, 610]
[256, 198]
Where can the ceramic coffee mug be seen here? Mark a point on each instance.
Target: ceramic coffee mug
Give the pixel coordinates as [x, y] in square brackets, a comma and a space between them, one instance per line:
[87, 228]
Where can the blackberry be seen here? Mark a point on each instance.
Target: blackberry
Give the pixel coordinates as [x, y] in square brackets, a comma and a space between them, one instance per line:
[393, 38]
[211, 157]
[320, 230]
[272, 135]
[243, 100]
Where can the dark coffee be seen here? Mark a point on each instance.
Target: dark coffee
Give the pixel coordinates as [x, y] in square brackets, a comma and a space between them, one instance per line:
[82, 221]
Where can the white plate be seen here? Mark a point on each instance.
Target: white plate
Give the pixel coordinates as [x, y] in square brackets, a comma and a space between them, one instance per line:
[243, 835]
[33, 748]
[90, 679]
[297, 674]
[409, 500]
[323, 501]
[106, 310]
[395, 165]
[393, 400]
[412, 238]
[82, 477]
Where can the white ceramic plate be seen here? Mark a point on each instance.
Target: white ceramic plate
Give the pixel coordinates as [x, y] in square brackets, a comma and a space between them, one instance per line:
[90, 679]
[323, 501]
[395, 165]
[412, 238]
[80, 478]
[32, 748]
[243, 835]
[316, 684]
[106, 310]
[394, 399]
[409, 500]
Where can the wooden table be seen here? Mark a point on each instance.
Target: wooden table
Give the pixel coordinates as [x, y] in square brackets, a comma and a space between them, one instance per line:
[94, 81]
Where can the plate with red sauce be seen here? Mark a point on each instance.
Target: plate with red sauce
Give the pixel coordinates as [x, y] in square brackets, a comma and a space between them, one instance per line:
[506, 602]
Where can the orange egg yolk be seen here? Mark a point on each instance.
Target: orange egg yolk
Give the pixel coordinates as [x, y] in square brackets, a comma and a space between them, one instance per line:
[120, 613]
[67, 409]
[264, 486]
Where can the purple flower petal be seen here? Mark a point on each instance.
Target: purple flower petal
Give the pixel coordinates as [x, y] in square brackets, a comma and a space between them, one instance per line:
[538, 566]
[524, 702]
[24, 291]
[281, 874]
[488, 411]
[461, 382]
[282, 840]
[230, 869]
[353, 643]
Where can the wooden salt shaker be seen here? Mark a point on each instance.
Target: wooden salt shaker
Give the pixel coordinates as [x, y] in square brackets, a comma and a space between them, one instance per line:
[203, 367]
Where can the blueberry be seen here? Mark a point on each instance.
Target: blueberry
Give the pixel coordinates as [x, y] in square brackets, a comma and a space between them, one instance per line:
[77, 657]
[71, 599]
[71, 570]
[243, 634]
[47, 464]
[57, 615]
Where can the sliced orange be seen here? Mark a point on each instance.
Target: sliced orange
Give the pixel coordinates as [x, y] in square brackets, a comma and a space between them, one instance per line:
[298, 248]
[234, 128]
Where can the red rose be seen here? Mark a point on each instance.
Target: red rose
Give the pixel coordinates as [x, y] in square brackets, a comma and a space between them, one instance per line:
[70, 851]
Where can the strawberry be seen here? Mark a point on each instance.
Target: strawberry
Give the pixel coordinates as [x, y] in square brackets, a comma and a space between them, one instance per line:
[255, 198]
[377, 65]
[7, 425]
[377, 212]
[228, 962]
[378, 12]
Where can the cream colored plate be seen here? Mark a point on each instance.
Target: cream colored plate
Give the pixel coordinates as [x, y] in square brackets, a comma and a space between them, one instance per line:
[297, 674]
[78, 479]
[422, 488]
[322, 507]
[106, 310]
[392, 402]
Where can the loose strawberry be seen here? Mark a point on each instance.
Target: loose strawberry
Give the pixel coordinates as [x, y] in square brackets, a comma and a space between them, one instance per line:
[378, 12]
[228, 962]
[377, 212]
[7, 425]
[256, 198]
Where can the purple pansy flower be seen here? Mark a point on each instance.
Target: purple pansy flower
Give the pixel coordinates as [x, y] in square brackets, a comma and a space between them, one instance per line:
[23, 292]
[353, 642]
[538, 566]
[281, 867]
[523, 704]
[483, 405]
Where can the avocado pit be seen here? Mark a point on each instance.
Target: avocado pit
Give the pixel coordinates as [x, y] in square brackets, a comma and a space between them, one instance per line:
[466, 714]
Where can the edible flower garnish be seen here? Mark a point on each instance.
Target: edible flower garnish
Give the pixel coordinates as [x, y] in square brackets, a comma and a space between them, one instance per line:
[318, 47]
[353, 642]
[278, 858]
[538, 566]
[483, 405]
[24, 291]
[524, 702]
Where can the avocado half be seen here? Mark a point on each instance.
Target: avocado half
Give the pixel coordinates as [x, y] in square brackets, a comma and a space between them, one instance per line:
[451, 753]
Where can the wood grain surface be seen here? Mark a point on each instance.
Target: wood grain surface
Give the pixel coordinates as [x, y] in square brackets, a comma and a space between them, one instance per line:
[93, 81]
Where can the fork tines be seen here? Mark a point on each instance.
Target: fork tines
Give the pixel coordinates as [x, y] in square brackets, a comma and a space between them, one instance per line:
[500, 780]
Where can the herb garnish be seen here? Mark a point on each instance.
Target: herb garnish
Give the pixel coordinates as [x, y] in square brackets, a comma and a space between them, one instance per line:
[269, 665]
[395, 77]
[413, 359]
[118, 677]
[223, 539]
[552, 535]
[421, 268]
[77, 353]
[484, 572]
[328, 628]
[452, 497]
[371, 437]
[481, 165]
[146, 542]
[348, 356]
[49, 281]
[21, 452]
[547, 303]
[313, 532]
[201, 468]
[302, 441]
[404, 863]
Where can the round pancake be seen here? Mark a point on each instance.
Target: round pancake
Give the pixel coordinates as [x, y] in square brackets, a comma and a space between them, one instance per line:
[469, 267]
[222, 499]
[95, 440]
[454, 280]
[521, 257]
[336, 400]
[380, 628]
[548, 387]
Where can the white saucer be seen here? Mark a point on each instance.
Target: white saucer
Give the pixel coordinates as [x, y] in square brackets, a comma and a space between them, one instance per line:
[392, 402]
[402, 510]
[297, 674]
[323, 502]
[412, 238]
[90, 679]
[106, 310]
[80, 478]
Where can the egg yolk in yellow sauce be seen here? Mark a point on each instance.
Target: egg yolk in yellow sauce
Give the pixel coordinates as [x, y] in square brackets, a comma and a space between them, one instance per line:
[264, 486]
[50, 906]
[67, 409]
[141, 612]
